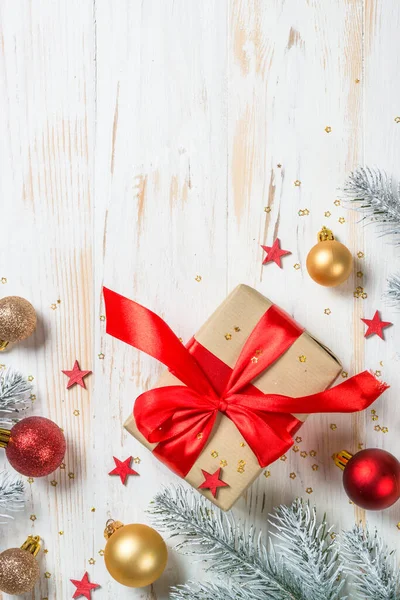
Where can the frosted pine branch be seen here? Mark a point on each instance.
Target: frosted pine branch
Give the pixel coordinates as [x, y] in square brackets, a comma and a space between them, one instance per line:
[392, 293]
[373, 567]
[374, 193]
[15, 390]
[11, 493]
[206, 591]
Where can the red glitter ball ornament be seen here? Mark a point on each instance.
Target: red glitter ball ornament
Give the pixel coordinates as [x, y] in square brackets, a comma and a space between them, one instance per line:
[371, 479]
[36, 447]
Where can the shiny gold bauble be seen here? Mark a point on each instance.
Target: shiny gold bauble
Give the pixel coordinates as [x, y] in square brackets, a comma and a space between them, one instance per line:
[329, 262]
[17, 320]
[135, 555]
[19, 571]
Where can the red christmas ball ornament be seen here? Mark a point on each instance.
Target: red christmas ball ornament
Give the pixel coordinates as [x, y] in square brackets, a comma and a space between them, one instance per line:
[34, 447]
[371, 478]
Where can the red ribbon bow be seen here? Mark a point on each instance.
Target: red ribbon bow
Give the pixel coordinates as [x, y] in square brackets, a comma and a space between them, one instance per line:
[179, 419]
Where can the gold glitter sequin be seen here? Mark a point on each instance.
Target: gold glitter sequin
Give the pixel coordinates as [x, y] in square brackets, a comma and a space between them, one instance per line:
[54, 483]
[283, 458]
[292, 475]
[360, 254]
[267, 209]
[237, 329]
[337, 202]
[341, 220]
[101, 356]
[279, 165]
[377, 427]
[313, 453]
[333, 426]
[71, 475]
[228, 336]
[302, 358]
[30, 480]
[328, 129]
[93, 509]
[296, 266]
[240, 470]
[381, 363]
[32, 397]
[242, 444]
[327, 214]
[45, 551]
[309, 490]
[375, 417]
[30, 378]
[360, 274]
[102, 317]
[33, 517]
[4, 280]
[397, 119]
[101, 552]
[297, 183]
[92, 561]
[314, 467]
[47, 575]
[295, 448]
[60, 533]
[223, 463]
[53, 306]
[136, 460]
[357, 81]
[62, 466]
[76, 413]
[378, 373]
[345, 374]
[373, 411]
[333, 535]
[298, 439]
[327, 311]
[303, 454]
[214, 454]
[384, 429]
[267, 474]
[198, 278]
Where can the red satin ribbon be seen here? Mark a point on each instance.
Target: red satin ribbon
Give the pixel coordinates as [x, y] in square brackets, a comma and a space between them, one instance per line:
[179, 419]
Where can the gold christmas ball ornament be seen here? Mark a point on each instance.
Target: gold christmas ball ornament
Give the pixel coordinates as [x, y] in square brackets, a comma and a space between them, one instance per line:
[329, 262]
[17, 320]
[135, 555]
[19, 570]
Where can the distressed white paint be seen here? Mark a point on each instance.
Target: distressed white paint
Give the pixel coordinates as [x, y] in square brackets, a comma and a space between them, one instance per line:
[140, 143]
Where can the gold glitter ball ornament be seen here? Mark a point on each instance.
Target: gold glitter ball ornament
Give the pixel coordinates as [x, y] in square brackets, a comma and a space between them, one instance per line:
[135, 555]
[19, 570]
[17, 320]
[329, 262]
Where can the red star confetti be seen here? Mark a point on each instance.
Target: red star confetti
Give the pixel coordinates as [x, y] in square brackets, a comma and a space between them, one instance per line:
[84, 587]
[212, 482]
[76, 376]
[375, 325]
[274, 253]
[123, 468]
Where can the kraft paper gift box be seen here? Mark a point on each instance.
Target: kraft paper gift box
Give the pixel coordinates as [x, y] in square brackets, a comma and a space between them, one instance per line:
[307, 367]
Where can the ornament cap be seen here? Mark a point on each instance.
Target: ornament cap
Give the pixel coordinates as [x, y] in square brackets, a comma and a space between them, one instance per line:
[325, 234]
[32, 544]
[111, 527]
[5, 435]
[342, 458]
[3, 345]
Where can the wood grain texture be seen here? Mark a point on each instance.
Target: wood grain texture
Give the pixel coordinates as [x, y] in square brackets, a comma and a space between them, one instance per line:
[140, 143]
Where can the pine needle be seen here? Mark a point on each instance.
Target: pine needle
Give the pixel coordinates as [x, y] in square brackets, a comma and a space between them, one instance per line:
[15, 390]
[11, 493]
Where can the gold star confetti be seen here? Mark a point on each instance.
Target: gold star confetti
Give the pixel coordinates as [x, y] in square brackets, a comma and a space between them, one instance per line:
[62, 466]
[334, 455]
[33, 397]
[228, 336]
[314, 467]
[237, 329]
[302, 358]
[223, 463]
[45, 551]
[373, 411]
[198, 278]
[337, 203]
[345, 374]
[181, 340]
[71, 475]
[242, 444]
[327, 214]
[333, 535]
[54, 483]
[267, 474]
[199, 436]
[53, 306]
[241, 463]
[306, 212]
[328, 129]
[381, 363]
[76, 413]
[384, 429]
[397, 119]
[360, 274]
[341, 220]
[279, 165]
[378, 373]
[360, 445]
[254, 360]
[137, 460]
[297, 183]
[4, 280]
[327, 311]
[102, 317]
[298, 439]
[47, 575]
[267, 209]
[214, 454]
[375, 417]
[398, 525]
[357, 81]
[377, 427]
[292, 475]
[364, 295]
[303, 212]
[92, 561]
[101, 356]
[101, 552]
[60, 533]
[333, 426]
[309, 490]
[30, 480]
[93, 509]
[283, 458]
[33, 517]
[313, 453]
[59, 301]
[240, 470]
[296, 266]
[360, 254]
[295, 448]
[303, 454]
[30, 378]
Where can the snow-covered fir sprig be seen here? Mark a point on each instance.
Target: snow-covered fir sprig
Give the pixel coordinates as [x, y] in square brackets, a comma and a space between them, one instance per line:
[373, 567]
[239, 553]
[374, 193]
[392, 294]
[15, 390]
[11, 493]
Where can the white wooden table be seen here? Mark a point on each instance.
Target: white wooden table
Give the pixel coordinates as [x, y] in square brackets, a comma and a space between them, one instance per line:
[139, 144]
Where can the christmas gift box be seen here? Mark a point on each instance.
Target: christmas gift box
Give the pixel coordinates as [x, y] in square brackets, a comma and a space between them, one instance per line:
[235, 395]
